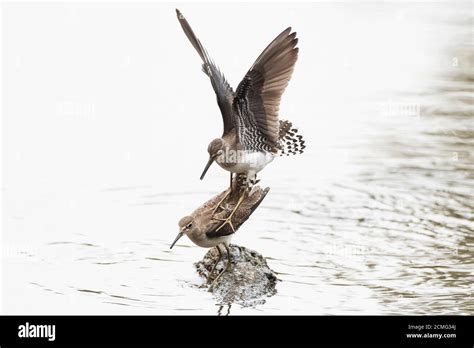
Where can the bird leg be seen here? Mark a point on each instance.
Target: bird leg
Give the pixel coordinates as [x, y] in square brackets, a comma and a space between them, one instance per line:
[228, 220]
[229, 191]
[229, 256]
[227, 265]
[215, 264]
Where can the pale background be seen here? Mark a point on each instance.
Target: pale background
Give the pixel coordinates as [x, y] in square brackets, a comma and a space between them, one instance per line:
[106, 120]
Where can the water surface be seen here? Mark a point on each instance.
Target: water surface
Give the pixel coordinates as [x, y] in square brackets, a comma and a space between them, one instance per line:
[377, 217]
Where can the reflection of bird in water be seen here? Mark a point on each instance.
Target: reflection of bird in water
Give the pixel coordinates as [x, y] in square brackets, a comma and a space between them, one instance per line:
[203, 228]
[221, 307]
[253, 134]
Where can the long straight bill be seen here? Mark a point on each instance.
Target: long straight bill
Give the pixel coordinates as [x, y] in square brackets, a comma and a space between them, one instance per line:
[180, 234]
[211, 159]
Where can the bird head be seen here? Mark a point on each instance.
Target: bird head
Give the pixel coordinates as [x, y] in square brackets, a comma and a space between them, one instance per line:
[215, 149]
[186, 226]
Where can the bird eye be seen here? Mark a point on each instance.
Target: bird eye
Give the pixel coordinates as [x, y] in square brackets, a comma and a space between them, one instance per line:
[220, 152]
[189, 225]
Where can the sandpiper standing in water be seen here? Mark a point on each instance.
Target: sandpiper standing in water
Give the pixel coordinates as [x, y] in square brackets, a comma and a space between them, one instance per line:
[203, 228]
[253, 134]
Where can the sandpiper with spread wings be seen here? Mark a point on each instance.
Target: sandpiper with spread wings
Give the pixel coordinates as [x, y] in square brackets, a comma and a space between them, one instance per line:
[253, 133]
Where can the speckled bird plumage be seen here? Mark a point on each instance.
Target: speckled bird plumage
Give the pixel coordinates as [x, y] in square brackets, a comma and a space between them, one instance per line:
[250, 114]
[204, 227]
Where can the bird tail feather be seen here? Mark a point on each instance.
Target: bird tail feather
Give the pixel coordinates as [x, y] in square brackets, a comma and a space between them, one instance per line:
[290, 142]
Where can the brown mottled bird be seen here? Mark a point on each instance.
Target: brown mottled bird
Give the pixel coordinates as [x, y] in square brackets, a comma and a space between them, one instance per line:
[253, 133]
[202, 226]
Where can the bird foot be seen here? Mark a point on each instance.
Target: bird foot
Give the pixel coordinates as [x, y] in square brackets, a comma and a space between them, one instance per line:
[218, 205]
[214, 211]
[214, 282]
[208, 280]
[227, 221]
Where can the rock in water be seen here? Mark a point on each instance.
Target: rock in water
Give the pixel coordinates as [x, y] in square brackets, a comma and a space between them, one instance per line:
[248, 280]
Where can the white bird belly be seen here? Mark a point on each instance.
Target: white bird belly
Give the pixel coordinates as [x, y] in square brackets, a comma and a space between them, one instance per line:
[211, 242]
[248, 162]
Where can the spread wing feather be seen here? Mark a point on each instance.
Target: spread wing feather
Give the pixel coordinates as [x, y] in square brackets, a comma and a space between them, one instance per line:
[224, 92]
[257, 98]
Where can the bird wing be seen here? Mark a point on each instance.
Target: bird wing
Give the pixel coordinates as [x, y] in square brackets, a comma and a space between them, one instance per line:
[257, 98]
[224, 93]
[243, 213]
